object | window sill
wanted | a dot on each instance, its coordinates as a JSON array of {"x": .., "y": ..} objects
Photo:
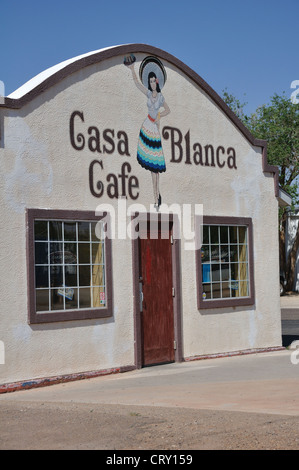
[
  {"x": 70, "y": 315},
  {"x": 223, "y": 303}
]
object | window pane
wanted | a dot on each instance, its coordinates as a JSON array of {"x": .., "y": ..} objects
[
  {"x": 206, "y": 273},
  {"x": 84, "y": 253},
  {"x": 242, "y": 234},
  {"x": 233, "y": 234},
  {"x": 225, "y": 289},
  {"x": 242, "y": 253},
  {"x": 215, "y": 253},
  {"x": 234, "y": 268},
  {"x": 233, "y": 253},
  {"x": 85, "y": 299},
  {"x": 55, "y": 228},
  {"x": 205, "y": 253},
  {"x": 57, "y": 302},
  {"x": 70, "y": 232},
  {"x": 56, "y": 277},
  {"x": 223, "y": 234},
  {"x": 70, "y": 253},
  {"x": 224, "y": 262},
  {"x": 42, "y": 300},
  {"x": 40, "y": 230},
  {"x": 215, "y": 272},
  {"x": 97, "y": 253},
  {"x": 225, "y": 272},
  {"x": 214, "y": 234},
  {"x": 69, "y": 265},
  {"x": 84, "y": 275},
  {"x": 96, "y": 231},
  {"x": 243, "y": 275},
  {"x": 98, "y": 275},
  {"x": 99, "y": 299},
  {"x": 56, "y": 253},
  {"x": 216, "y": 291},
  {"x": 243, "y": 289},
  {"x": 71, "y": 298},
  {"x": 234, "y": 285},
  {"x": 70, "y": 275},
  {"x": 83, "y": 231},
  {"x": 41, "y": 253},
  {"x": 206, "y": 239},
  {"x": 41, "y": 276},
  {"x": 206, "y": 293},
  {"x": 224, "y": 253}
]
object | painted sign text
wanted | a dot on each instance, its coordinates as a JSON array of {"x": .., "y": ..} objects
[{"x": 183, "y": 149}]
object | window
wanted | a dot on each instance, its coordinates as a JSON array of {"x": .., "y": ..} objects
[
  {"x": 69, "y": 266},
  {"x": 225, "y": 263}
]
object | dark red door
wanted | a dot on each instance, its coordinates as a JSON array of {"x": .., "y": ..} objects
[{"x": 157, "y": 304}]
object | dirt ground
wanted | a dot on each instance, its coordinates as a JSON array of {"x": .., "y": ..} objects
[{"x": 77, "y": 426}]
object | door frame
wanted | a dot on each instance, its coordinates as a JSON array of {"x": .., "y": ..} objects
[{"x": 176, "y": 282}]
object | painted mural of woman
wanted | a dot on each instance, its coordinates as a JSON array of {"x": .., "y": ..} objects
[{"x": 149, "y": 150}]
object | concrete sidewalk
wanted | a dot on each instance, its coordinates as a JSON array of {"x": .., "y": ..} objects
[{"x": 262, "y": 383}]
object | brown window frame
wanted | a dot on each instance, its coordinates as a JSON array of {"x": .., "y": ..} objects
[
  {"x": 69, "y": 314},
  {"x": 231, "y": 301}
]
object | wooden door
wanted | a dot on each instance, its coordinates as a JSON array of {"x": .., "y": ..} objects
[{"x": 157, "y": 320}]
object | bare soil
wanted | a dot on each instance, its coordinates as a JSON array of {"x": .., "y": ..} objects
[{"x": 74, "y": 426}]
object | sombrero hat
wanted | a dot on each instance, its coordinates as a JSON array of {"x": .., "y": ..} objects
[{"x": 152, "y": 64}]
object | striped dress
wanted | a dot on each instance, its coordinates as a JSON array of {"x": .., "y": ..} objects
[{"x": 149, "y": 150}]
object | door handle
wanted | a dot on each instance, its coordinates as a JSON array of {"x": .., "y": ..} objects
[{"x": 140, "y": 296}]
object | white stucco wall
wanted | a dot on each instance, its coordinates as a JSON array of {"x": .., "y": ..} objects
[
  {"x": 41, "y": 169},
  {"x": 291, "y": 229}
]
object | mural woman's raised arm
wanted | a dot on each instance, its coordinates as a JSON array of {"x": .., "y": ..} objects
[{"x": 139, "y": 85}]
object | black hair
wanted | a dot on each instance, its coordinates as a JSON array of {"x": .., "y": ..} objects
[{"x": 153, "y": 75}]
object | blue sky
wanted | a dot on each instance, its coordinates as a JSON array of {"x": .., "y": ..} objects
[{"x": 250, "y": 47}]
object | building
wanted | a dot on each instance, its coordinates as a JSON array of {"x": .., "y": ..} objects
[
  {"x": 96, "y": 153},
  {"x": 291, "y": 230}
]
